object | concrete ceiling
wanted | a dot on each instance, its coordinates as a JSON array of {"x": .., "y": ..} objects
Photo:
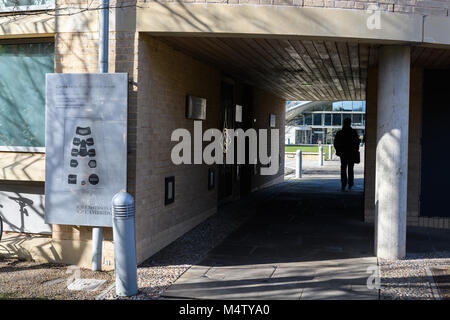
[{"x": 313, "y": 70}]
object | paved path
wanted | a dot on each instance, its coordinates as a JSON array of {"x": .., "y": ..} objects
[
  {"x": 330, "y": 169},
  {"x": 304, "y": 240}
]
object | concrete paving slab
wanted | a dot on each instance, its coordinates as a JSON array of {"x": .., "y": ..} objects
[
  {"x": 236, "y": 289},
  {"x": 225, "y": 274},
  {"x": 338, "y": 289},
  {"x": 337, "y": 292},
  {"x": 86, "y": 284}
]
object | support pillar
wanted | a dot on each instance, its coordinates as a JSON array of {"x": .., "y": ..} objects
[{"x": 392, "y": 152}]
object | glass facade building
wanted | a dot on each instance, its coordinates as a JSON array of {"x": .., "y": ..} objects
[{"x": 320, "y": 123}]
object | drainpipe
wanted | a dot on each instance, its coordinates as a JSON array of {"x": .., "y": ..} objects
[{"x": 103, "y": 37}]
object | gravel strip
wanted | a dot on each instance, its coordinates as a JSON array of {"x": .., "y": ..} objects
[
  {"x": 407, "y": 279},
  {"x": 33, "y": 280}
]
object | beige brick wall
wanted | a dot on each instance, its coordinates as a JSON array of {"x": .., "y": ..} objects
[
  {"x": 422, "y": 7},
  {"x": 159, "y": 79},
  {"x": 414, "y": 153},
  {"x": 77, "y": 52},
  {"x": 265, "y": 103},
  {"x": 166, "y": 76}
]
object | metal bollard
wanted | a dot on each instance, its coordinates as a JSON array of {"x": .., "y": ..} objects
[
  {"x": 97, "y": 241},
  {"x": 330, "y": 152},
  {"x": 320, "y": 155},
  {"x": 124, "y": 244},
  {"x": 298, "y": 167}
]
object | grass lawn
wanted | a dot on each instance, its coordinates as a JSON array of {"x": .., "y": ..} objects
[{"x": 307, "y": 149}]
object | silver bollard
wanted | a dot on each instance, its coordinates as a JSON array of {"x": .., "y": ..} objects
[
  {"x": 97, "y": 241},
  {"x": 298, "y": 167},
  {"x": 320, "y": 155},
  {"x": 330, "y": 152},
  {"x": 124, "y": 244}
]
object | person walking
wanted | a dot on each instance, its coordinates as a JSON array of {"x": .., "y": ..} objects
[{"x": 346, "y": 144}]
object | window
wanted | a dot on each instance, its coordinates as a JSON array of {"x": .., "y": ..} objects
[
  {"x": 327, "y": 119},
  {"x": 337, "y": 106},
  {"x": 357, "y": 119},
  {"x": 22, "y": 95},
  {"x": 347, "y": 105},
  {"x": 359, "y": 106},
  {"x": 317, "y": 119},
  {"x": 25, "y": 5},
  {"x": 337, "y": 119},
  {"x": 308, "y": 119}
]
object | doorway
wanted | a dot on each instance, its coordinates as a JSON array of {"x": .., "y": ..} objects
[{"x": 433, "y": 190}]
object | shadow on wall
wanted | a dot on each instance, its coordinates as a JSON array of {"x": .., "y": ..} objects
[{"x": 23, "y": 211}]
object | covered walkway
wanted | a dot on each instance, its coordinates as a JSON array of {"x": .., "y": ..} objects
[{"x": 305, "y": 239}]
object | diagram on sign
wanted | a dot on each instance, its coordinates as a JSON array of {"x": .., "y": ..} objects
[{"x": 83, "y": 148}]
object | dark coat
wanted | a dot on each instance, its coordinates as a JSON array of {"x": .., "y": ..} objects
[{"x": 346, "y": 143}]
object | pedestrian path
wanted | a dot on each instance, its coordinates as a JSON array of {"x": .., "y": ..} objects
[{"x": 303, "y": 242}]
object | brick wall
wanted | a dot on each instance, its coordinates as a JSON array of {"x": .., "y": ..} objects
[
  {"x": 77, "y": 52},
  {"x": 166, "y": 76},
  {"x": 422, "y": 7},
  {"x": 159, "y": 79},
  {"x": 265, "y": 103}
]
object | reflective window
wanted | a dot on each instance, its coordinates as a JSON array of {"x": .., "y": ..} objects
[
  {"x": 357, "y": 119},
  {"x": 22, "y": 5},
  {"x": 347, "y": 105},
  {"x": 337, "y": 119},
  {"x": 300, "y": 120},
  {"x": 317, "y": 120},
  {"x": 327, "y": 119},
  {"x": 359, "y": 106},
  {"x": 22, "y": 93},
  {"x": 308, "y": 119},
  {"x": 337, "y": 106}
]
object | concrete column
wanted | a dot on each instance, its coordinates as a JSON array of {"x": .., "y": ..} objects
[{"x": 392, "y": 152}]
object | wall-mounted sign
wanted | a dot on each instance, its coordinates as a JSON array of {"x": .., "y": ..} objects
[
  {"x": 169, "y": 190},
  {"x": 211, "y": 178},
  {"x": 273, "y": 120},
  {"x": 86, "y": 146},
  {"x": 195, "y": 108},
  {"x": 238, "y": 113}
]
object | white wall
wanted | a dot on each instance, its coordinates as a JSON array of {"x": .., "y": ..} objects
[{"x": 289, "y": 135}]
